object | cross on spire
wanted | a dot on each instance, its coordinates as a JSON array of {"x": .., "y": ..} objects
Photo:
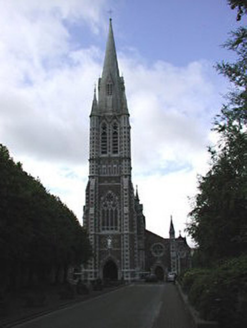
[{"x": 110, "y": 13}]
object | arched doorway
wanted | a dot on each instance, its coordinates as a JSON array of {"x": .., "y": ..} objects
[
  {"x": 110, "y": 271},
  {"x": 159, "y": 272}
]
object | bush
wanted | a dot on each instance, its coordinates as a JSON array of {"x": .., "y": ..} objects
[
  {"x": 220, "y": 294},
  {"x": 189, "y": 277},
  {"x": 198, "y": 288},
  {"x": 226, "y": 297}
]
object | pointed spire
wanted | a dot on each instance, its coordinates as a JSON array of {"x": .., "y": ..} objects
[
  {"x": 95, "y": 103},
  {"x": 94, "y": 93},
  {"x": 172, "y": 230},
  {"x": 110, "y": 67},
  {"x": 111, "y": 96},
  {"x": 137, "y": 195}
]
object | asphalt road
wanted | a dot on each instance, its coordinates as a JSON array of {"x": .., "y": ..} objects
[{"x": 134, "y": 306}]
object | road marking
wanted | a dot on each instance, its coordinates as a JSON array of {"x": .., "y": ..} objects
[{"x": 156, "y": 313}]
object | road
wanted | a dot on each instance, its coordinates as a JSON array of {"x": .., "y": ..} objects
[{"x": 133, "y": 306}]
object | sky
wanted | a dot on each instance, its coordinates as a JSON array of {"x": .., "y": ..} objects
[{"x": 51, "y": 56}]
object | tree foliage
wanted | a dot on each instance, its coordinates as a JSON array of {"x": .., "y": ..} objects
[
  {"x": 240, "y": 5},
  {"x": 234, "y": 114},
  {"x": 218, "y": 219},
  {"x": 38, "y": 232}
]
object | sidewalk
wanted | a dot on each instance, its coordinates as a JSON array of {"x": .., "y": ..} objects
[{"x": 173, "y": 312}]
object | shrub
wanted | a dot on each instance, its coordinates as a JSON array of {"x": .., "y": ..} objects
[
  {"x": 226, "y": 296},
  {"x": 220, "y": 293},
  {"x": 198, "y": 288},
  {"x": 189, "y": 277}
]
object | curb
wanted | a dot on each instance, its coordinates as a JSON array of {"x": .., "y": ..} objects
[{"x": 197, "y": 321}]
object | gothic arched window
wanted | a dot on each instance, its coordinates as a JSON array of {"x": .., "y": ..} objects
[
  {"x": 103, "y": 139},
  {"x": 109, "y": 213},
  {"x": 115, "y": 138}
]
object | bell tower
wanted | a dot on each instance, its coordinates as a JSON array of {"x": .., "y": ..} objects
[{"x": 110, "y": 215}]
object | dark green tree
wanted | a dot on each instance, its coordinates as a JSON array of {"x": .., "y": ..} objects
[
  {"x": 218, "y": 219},
  {"x": 38, "y": 233}
]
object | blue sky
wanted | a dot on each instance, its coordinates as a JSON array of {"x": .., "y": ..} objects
[
  {"x": 51, "y": 55},
  {"x": 176, "y": 31}
]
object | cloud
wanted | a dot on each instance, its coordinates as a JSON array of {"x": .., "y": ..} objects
[
  {"x": 46, "y": 89},
  {"x": 171, "y": 111}
]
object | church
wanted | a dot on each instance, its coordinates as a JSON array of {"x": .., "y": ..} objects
[{"x": 123, "y": 249}]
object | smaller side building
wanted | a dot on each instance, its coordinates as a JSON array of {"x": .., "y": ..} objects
[{"x": 165, "y": 255}]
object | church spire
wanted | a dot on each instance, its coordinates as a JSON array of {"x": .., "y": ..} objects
[
  {"x": 172, "y": 231},
  {"x": 111, "y": 96},
  {"x": 110, "y": 67}
]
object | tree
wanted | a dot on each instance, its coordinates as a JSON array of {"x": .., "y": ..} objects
[
  {"x": 37, "y": 231},
  {"x": 218, "y": 219},
  {"x": 241, "y": 5}
]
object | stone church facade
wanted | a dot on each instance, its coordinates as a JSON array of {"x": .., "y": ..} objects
[{"x": 113, "y": 215}]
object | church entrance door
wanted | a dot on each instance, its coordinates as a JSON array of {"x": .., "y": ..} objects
[
  {"x": 110, "y": 271},
  {"x": 159, "y": 272}
]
